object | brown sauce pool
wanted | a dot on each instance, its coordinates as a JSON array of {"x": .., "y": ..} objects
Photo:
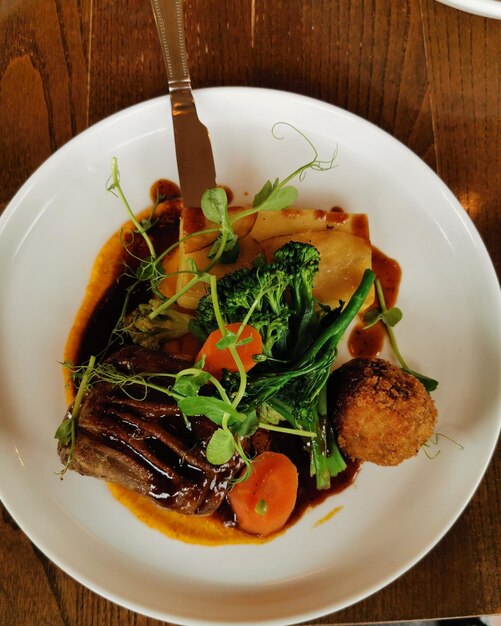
[
  {"x": 369, "y": 343},
  {"x": 97, "y": 317}
]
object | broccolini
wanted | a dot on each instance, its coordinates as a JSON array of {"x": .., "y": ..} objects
[
  {"x": 275, "y": 298},
  {"x": 151, "y": 333}
]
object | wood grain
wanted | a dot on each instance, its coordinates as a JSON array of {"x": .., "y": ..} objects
[
  {"x": 424, "y": 72},
  {"x": 466, "y": 87},
  {"x": 43, "y": 85}
]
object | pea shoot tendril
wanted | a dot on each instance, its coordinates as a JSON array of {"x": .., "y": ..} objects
[{"x": 232, "y": 404}]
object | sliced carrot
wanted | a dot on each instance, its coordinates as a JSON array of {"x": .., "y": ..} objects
[
  {"x": 216, "y": 360},
  {"x": 263, "y": 502}
]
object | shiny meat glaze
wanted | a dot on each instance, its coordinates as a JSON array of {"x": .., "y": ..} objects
[{"x": 146, "y": 444}]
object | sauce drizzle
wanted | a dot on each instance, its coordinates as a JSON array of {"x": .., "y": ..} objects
[
  {"x": 98, "y": 314},
  {"x": 369, "y": 343}
]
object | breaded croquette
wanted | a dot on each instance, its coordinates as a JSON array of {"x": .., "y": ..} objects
[{"x": 381, "y": 413}]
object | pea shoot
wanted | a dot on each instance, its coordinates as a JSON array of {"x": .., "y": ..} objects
[
  {"x": 233, "y": 408},
  {"x": 391, "y": 317}
]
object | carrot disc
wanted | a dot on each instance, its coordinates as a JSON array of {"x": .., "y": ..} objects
[
  {"x": 263, "y": 502},
  {"x": 216, "y": 360}
]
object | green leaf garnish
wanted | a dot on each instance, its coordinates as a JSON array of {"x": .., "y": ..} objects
[
  {"x": 231, "y": 251},
  {"x": 428, "y": 383},
  {"x": 247, "y": 425},
  {"x": 229, "y": 339},
  {"x": 214, "y": 205},
  {"x": 274, "y": 197},
  {"x": 243, "y": 342},
  {"x": 390, "y": 317},
  {"x": 215, "y": 208},
  {"x": 213, "y": 408},
  {"x": 147, "y": 269},
  {"x": 64, "y": 432},
  {"x": 237, "y": 419},
  {"x": 190, "y": 385},
  {"x": 221, "y": 447},
  {"x": 263, "y": 193}
]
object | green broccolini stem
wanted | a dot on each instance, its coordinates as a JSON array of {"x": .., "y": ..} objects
[
  {"x": 335, "y": 332},
  {"x": 319, "y": 457},
  {"x": 332, "y": 335},
  {"x": 318, "y": 460},
  {"x": 322, "y": 400},
  {"x": 246, "y": 319},
  {"x": 335, "y": 461},
  {"x": 284, "y": 409},
  {"x": 287, "y": 431},
  {"x": 324, "y": 464}
]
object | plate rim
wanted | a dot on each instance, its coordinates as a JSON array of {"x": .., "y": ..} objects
[
  {"x": 452, "y": 202},
  {"x": 482, "y": 8}
]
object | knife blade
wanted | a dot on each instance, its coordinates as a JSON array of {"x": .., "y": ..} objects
[{"x": 195, "y": 162}]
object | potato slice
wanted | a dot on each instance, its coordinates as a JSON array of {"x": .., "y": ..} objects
[
  {"x": 249, "y": 250},
  {"x": 343, "y": 259},
  {"x": 288, "y": 221},
  {"x": 170, "y": 265},
  {"x": 193, "y": 220}
]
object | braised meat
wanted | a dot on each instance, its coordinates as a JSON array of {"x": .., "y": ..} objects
[{"x": 145, "y": 444}]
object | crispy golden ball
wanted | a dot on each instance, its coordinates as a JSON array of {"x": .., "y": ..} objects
[{"x": 382, "y": 414}]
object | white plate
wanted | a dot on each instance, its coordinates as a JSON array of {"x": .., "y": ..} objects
[
  {"x": 485, "y": 8},
  {"x": 390, "y": 518}
]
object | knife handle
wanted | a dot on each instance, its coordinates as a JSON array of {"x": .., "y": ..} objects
[{"x": 170, "y": 25}]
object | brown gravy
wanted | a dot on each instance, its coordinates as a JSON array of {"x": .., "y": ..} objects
[
  {"x": 98, "y": 314},
  {"x": 369, "y": 343}
]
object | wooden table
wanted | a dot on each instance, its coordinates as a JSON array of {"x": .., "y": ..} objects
[{"x": 426, "y": 73}]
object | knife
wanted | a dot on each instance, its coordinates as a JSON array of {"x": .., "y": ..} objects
[{"x": 195, "y": 162}]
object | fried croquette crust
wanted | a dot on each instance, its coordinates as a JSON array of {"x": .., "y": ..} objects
[{"x": 381, "y": 413}]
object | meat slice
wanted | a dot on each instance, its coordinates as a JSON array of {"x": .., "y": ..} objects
[{"x": 145, "y": 443}]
